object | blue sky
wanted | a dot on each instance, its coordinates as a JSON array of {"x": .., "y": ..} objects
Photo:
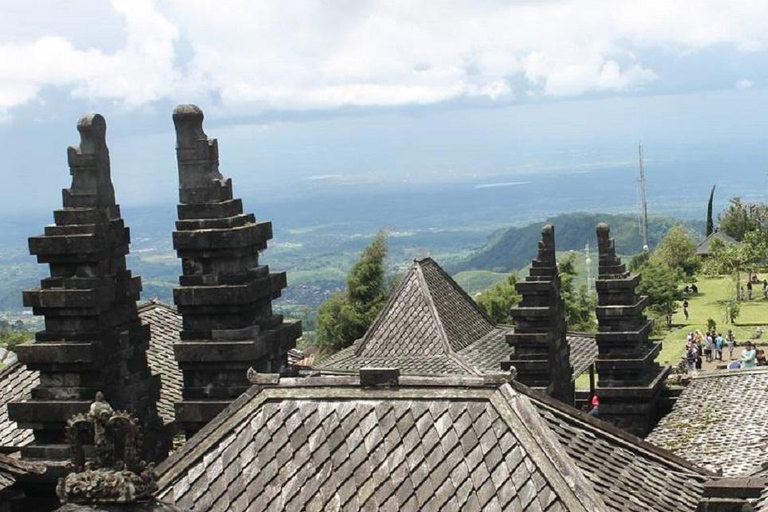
[{"x": 316, "y": 96}]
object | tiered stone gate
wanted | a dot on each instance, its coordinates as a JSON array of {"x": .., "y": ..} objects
[
  {"x": 542, "y": 354},
  {"x": 225, "y": 296},
  {"x": 629, "y": 380},
  {"x": 93, "y": 339}
]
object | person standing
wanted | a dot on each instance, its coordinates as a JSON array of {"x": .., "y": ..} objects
[
  {"x": 748, "y": 356},
  {"x": 719, "y": 342},
  {"x": 685, "y": 309},
  {"x": 730, "y": 340},
  {"x": 691, "y": 355},
  {"x": 749, "y": 289}
]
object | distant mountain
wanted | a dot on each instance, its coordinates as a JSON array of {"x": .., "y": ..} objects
[{"x": 513, "y": 248}]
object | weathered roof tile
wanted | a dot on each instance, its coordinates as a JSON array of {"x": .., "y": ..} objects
[{"x": 16, "y": 381}]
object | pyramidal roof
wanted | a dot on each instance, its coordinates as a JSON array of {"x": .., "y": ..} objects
[
  {"x": 428, "y": 314},
  {"x": 430, "y": 326}
]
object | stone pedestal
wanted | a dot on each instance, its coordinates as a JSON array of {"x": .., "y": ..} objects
[
  {"x": 225, "y": 296},
  {"x": 629, "y": 380},
  {"x": 93, "y": 338},
  {"x": 542, "y": 354}
]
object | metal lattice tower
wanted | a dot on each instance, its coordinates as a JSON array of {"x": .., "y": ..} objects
[
  {"x": 643, "y": 202},
  {"x": 588, "y": 262}
]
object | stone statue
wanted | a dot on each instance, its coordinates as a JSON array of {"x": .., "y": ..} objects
[{"x": 116, "y": 474}]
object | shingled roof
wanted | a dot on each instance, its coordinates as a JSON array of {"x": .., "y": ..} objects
[
  {"x": 703, "y": 248},
  {"x": 719, "y": 421},
  {"x": 16, "y": 381},
  {"x": 430, "y": 326},
  {"x": 429, "y": 443},
  {"x": 11, "y": 468}
]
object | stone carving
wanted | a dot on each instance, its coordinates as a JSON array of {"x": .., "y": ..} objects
[
  {"x": 542, "y": 355},
  {"x": 225, "y": 295},
  {"x": 93, "y": 338},
  {"x": 116, "y": 474},
  {"x": 629, "y": 379},
  {"x": 89, "y": 166}
]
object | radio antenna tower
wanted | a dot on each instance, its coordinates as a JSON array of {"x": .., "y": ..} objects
[
  {"x": 643, "y": 201},
  {"x": 588, "y": 262}
]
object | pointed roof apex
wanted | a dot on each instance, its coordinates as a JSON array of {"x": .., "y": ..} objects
[{"x": 427, "y": 314}]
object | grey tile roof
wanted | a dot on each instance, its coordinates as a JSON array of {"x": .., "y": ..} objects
[
  {"x": 310, "y": 445},
  {"x": 762, "y": 503},
  {"x": 430, "y": 326},
  {"x": 720, "y": 422},
  {"x": 703, "y": 248},
  {"x": 165, "y": 324},
  {"x": 16, "y": 381},
  {"x": 11, "y": 468},
  {"x": 627, "y": 472},
  {"x": 324, "y": 443}
]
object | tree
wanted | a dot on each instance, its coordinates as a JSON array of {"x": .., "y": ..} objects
[
  {"x": 732, "y": 260},
  {"x": 11, "y": 339},
  {"x": 710, "y": 222},
  {"x": 366, "y": 288},
  {"x": 678, "y": 250},
  {"x": 500, "y": 299},
  {"x": 345, "y": 316},
  {"x": 741, "y": 218},
  {"x": 578, "y": 305},
  {"x": 660, "y": 282}
]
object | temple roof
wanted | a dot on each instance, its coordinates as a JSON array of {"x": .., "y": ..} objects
[
  {"x": 703, "y": 248},
  {"x": 16, "y": 381},
  {"x": 430, "y": 326},
  {"x": 427, "y": 443},
  {"x": 12, "y": 467},
  {"x": 719, "y": 422}
]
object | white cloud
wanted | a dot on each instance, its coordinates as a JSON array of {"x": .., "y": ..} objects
[
  {"x": 314, "y": 54},
  {"x": 744, "y": 84}
]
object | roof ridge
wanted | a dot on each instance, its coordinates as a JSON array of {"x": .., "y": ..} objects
[
  {"x": 657, "y": 453},
  {"x": 358, "y": 350},
  {"x": 729, "y": 373},
  {"x": 460, "y": 290},
  {"x": 153, "y": 303},
  {"x": 424, "y": 288},
  {"x": 560, "y": 469}
]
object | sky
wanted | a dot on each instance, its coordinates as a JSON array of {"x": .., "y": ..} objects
[{"x": 308, "y": 96}]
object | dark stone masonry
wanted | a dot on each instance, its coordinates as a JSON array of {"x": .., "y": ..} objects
[
  {"x": 93, "y": 339},
  {"x": 629, "y": 379},
  {"x": 542, "y": 354},
  {"x": 225, "y": 296}
]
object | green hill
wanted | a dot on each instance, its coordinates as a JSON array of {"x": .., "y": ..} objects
[{"x": 514, "y": 247}]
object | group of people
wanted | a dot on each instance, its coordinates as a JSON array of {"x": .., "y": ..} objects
[{"x": 709, "y": 347}]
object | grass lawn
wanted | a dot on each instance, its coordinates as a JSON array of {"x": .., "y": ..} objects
[{"x": 708, "y": 304}]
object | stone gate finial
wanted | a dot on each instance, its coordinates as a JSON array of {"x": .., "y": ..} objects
[
  {"x": 89, "y": 166},
  {"x": 188, "y": 120},
  {"x": 609, "y": 265},
  {"x": 198, "y": 158},
  {"x": 547, "y": 246}
]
